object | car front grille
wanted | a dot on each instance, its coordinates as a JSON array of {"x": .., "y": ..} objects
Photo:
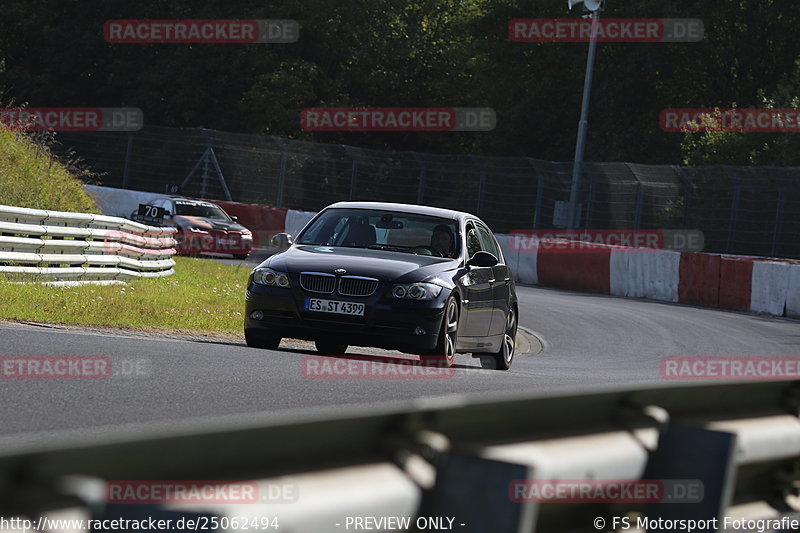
[
  {"x": 357, "y": 286},
  {"x": 317, "y": 282}
]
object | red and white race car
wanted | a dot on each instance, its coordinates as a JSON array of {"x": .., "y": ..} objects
[{"x": 203, "y": 227}]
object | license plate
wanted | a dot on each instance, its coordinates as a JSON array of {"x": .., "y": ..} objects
[{"x": 334, "y": 306}]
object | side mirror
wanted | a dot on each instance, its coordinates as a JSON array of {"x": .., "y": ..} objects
[
  {"x": 281, "y": 241},
  {"x": 483, "y": 259},
  {"x": 234, "y": 218}
]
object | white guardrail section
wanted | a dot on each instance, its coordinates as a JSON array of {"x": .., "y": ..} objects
[
  {"x": 455, "y": 463},
  {"x": 63, "y": 247}
]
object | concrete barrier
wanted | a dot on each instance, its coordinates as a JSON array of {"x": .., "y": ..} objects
[
  {"x": 525, "y": 252},
  {"x": 698, "y": 282},
  {"x": 527, "y": 265},
  {"x": 735, "y": 278},
  {"x": 645, "y": 273},
  {"x": 793, "y": 292},
  {"x": 510, "y": 252},
  {"x": 711, "y": 280},
  {"x": 618, "y": 271},
  {"x": 296, "y": 221},
  {"x": 263, "y": 220},
  {"x": 769, "y": 287},
  {"x": 574, "y": 265},
  {"x": 119, "y": 202}
]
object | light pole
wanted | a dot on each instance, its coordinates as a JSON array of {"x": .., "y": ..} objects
[{"x": 593, "y": 6}]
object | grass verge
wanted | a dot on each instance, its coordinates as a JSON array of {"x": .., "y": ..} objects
[
  {"x": 33, "y": 177},
  {"x": 202, "y": 297}
]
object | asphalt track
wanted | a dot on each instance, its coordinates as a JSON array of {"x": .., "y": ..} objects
[{"x": 590, "y": 342}]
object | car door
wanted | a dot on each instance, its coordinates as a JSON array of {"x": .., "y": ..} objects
[
  {"x": 500, "y": 283},
  {"x": 477, "y": 286}
]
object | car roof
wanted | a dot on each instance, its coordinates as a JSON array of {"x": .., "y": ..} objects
[
  {"x": 405, "y": 208},
  {"x": 184, "y": 199}
]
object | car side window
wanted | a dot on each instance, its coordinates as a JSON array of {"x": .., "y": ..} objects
[
  {"x": 473, "y": 241},
  {"x": 162, "y": 202},
  {"x": 487, "y": 242}
]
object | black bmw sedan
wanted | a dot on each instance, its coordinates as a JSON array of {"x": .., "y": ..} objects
[{"x": 422, "y": 280}]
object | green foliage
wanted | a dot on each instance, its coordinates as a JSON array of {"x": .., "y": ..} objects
[
  {"x": 751, "y": 148},
  {"x": 30, "y": 176},
  {"x": 406, "y": 53}
]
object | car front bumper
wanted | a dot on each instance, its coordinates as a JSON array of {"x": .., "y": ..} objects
[
  {"x": 387, "y": 322},
  {"x": 213, "y": 242}
]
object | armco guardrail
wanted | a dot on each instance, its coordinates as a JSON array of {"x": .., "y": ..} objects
[
  {"x": 718, "y": 452},
  {"x": 57, "y": 246}
]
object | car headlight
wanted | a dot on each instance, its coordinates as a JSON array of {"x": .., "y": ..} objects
[
  {"x": 416, "y": 291},
  {"x": 271, "y": 278}
]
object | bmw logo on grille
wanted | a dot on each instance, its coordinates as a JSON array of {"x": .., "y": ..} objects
[{"x": 340, "y": 271}]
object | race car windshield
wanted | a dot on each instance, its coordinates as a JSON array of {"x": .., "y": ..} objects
[
  {"x": 200, "y": 210},
  {"x": 384, "y": 230}
]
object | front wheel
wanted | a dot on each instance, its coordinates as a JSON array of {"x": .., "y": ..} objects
[
  {"x": 257, "y": 339},
  {"x": 505, "y": 356},
  {"x": 444, "y": 353}
]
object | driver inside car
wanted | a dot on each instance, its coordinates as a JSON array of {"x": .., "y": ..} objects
[{"x": 442, "y": 241}]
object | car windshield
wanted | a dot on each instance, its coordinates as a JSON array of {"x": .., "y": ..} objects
[
  {"x": 384, "y": 230},
  {"x": 192, "y": 209}
]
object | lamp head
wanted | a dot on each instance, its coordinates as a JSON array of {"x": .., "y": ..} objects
[{"x": 589, "y": 5}]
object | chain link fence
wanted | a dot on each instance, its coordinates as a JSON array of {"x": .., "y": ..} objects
[{"x": 742, "y": 210}]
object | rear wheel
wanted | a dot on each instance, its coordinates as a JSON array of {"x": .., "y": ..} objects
[
  {"x": 444, "y": 353},
  {"x": 258, "y": 339},
  {"x": 325, "y": 347},
  {"x": 505, "y": 356}
]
